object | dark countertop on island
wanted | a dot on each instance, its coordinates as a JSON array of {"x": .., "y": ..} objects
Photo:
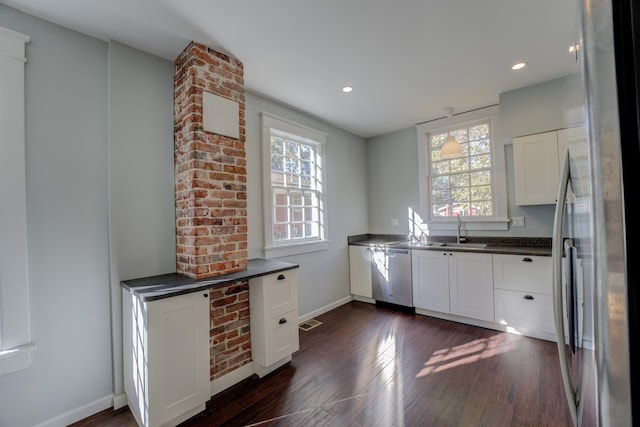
[
  {"x": 173, "y": 284},
  {"x": 527, "y": 246}
]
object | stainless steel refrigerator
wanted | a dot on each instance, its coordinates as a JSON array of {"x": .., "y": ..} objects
[{"x": 596, "y": 242}]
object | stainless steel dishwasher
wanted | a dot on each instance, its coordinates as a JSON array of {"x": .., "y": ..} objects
[{"x": 391, "y": 275}]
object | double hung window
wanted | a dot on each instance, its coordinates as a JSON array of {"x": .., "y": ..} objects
[
  {"x": 294, "y": 175},
  {"x": 471, "y": 186}
]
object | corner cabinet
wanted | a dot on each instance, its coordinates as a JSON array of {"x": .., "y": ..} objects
[
  {"x": 273, "y": 301},
  {"x": 360, "y": 272},
  {"x": 166, "y": 357},
  {"x": 459, "y": 283}
]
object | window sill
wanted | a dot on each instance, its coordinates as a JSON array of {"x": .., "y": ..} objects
[
  {"x": 15, "y": 359},
  {"x": 295, "y": 249}
]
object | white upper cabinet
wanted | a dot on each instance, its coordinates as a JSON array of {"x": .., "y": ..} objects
[
  {"x": 537, "y": 168},
  {"x": 538, "y": 161}
]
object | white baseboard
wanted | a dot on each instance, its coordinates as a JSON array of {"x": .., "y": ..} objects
[
  {"x": 325, "y": 309},
  {"x": 79, "y": 413},
  {"x": 119, "y": 401},
  {"x": 364, "y": 299},
  {"x": 232, "y": 378}
]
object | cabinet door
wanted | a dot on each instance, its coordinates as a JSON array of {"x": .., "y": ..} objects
[
  {"x": 471, "y": 285},
  {"x": 178, "y": 355},
  {"x": 360, "y": 271},
  {"x": 536, "y": 168},
  {"x": 430, "y": 278}
]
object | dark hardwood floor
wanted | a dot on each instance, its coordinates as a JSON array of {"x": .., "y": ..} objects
[{"x": 375, "y": 366}]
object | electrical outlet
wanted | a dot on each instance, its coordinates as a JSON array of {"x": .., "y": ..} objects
[
  {"x": 394, "y": 222},
  {"x": 517, "y": 221}
]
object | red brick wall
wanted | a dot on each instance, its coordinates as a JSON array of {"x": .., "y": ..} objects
[
  {"x": 210, "y": 169},
  {"x": 230, "y": 339}
]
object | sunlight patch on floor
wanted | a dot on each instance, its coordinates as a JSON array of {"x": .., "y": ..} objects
[{"x": 470, "y": 352}]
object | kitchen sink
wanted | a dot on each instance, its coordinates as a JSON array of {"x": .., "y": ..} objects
[
  {"x": 451, "y": 245},
  {"x": 464, "y": 245}
]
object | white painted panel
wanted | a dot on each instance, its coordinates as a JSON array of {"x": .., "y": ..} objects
[{"x": 220, "y": 115}]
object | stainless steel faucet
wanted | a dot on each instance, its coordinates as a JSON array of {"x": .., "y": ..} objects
[{"x": 459, "y": 239}]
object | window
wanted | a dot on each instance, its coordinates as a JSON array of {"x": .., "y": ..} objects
[
  {"x": 295, "y": 199},
  {"x": 472, "y": 186},
  {"x": 15, "y": 340},
  {"x": 462, "y": 186}
]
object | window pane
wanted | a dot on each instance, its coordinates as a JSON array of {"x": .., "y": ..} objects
[
  {"x": 296, "y": 214},
  {"x": 460, "y": 194},
  {"x": 479, "y": 131},
  {"x": 481, "y": 193},
  {"x": 442, "y": 167},
  {"x": 293, "y": 180},
  {"x": 459, "y": 180},
  {"x": 277, "y": 163},
  {"x": 280, "y": 231},
  {"x": 276, "y": 146},
  {"x": 480, "y": 147},
  {"x": 281, "y": 214},
  {"x": 483, "y": 161},
  {"x": 291, "y": 149},
  {"x": 305, "y": 152},
  {"x": 277, "y": 178},
  {"x": 480, "y": 178}
]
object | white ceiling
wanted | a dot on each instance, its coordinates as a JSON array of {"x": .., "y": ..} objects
[{"x": 407, "y": 60}]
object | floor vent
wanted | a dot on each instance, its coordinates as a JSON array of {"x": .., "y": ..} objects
[{"x": 309, "y": 324}]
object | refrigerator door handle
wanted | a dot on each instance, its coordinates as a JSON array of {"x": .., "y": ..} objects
[{"x": 556, "y": 254}]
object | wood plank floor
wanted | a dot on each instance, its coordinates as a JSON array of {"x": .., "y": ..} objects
[{"x": 367, "y": 365}]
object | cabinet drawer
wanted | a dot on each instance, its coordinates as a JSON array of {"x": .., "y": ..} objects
[
  {"x": 516, "y": 310},
  {"x": 274, "y": 295},
  {"x": 522, "y": 273},
  {"x": 280, "y": 338}
]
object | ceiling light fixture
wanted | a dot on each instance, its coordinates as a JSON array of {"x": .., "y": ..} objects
[
  {"x": 451, "y": 149},
  {"x": 518, "y": 66},
  {"x": 347, "y": 89}
]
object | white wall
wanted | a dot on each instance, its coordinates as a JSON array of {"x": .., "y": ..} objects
[
  {"x": 323, "y": 277},
  {"x": 393, "y": 160},
  {"x": 67, "y": 225},
  {"x": 141, "y": 189},
  {"x": 392, "y": 180}
]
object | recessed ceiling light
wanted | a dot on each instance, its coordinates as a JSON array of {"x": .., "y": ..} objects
[
  {"x": 518, "y": 65},
  {"x": 347, "y": 89}
]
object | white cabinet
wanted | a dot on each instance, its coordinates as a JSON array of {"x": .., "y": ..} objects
[
  {"x": 523, "y": 294},
  {"x": 471, "y": 285},
  {"x": 430, "y": 279},
  {"x": 166, "y": 357},
  {"x": 537, "y": 163},
  {"x": 360, "y": 271},
  {"x": 459, "y": 283},
  {"x": 273, "y": 301},
  {"x": 537, "y": 168}
]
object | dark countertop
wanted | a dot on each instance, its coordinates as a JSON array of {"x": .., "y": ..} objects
[
  {"x": 173, "y": 284},
  {"x": 531, "y": 246}
]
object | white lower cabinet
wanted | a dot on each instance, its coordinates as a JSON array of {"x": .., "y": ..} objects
[
  {"x": 471, "y": 285},
  {"x": 523, "y": 294},
  {"x": 166, "y": 357},
  {"x": 273, "y": 303},
  {"x": 459, "y": 283},
  {"x": 360, "y": 271},
  {"x": 430, "y": 279}
]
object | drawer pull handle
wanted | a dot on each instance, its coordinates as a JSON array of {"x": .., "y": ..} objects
[
  {"x": 527, "y": 260},
  {"x": 283, "y": 321},
  {"x": 281, "y": 277},
  {"x": 205, "y": 295},
  {"x": 529, "y": 297}
]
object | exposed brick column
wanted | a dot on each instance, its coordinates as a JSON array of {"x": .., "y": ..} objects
[
  {"x": 210, "y": 169},
  {"x": 230, "y": 338}
]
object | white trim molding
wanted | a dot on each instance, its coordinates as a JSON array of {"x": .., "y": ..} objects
[{"x": 15, "y": 336}]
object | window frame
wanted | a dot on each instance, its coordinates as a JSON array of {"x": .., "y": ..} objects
[
  {"x": 499, "y": 220},
  {"x": 302, "y": 135},
  {"x": 15, "y": 334}
]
